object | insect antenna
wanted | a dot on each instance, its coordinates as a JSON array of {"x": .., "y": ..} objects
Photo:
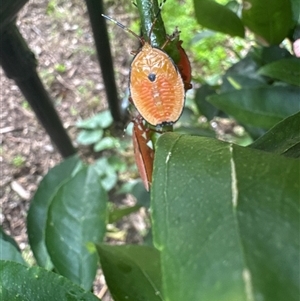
[{"x": 123, "y": 27}]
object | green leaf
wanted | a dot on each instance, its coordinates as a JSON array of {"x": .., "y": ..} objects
[
  {"x": 106, "y": 173},
  {"x": 118, "y": 213},
  {"x": 283, "y": 138},
  {"x": 87, "y": 137},
  {"x": 296, "y": 10},
  {"x": 226, "y": 21},
  {"x": 37, "y": 214},
  {"x": 141, "y": 194},
  {"x": 262, "y": 107},
  {"x": 131, "y": 272},
  {"x": 77, "y": 220},
  {"x": 242, "y": 75},
  {"x": 205, "y": 107},
  {"x": 105, "y": 143},
  {"x": 286, "y": 70},
  {"x": 225, "y": 221},
  {"x": 102, "y": 120},
  {"x": 270, "y": 19},
  {"x": 9, "y": 249},
  {"x": 267, "y": 55},
  {"x": 19, "y": 283}
]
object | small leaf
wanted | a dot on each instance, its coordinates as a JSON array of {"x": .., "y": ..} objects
[
  {"x": 9, "y": 249},
  {"x": 20, "y": 283},
  {"x": 286, "y": 70},
  {"x": 131, "y": 272},
  {"x": 102, "y": 120},
  {"x": 262, "y": 107},
  {"x": 105, "y": 143},
  {"x": 106, "y": 173},
  {"x": 87, "y": 137},
  {"x": 141, "y": 194},
  {"x": 88, "y": 124},
  {"x": 272, "y": 19},
  {"x": 77, "y": 220},
  {"x": 283, "y": 138},
  {"x": 218, "y": 17},
  {"x": 242, "y": 75},
  {"x": 205, "y": 107},
  {"x": 37, "y": 215}
]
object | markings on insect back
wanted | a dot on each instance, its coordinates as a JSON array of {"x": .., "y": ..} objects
[{"x": 234, "y": 188}]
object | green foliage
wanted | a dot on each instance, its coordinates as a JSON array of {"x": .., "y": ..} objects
[
  {"x": 271, "y": 20},
  {"x": 224, "y": 221},
  {"x": 9, "y": 249},
  {"x": 207, "y": 47},
  {"x": 134, "y": 262},
  {"x": 95, "y": 131},
  {"x": 19, "y": 283},
  {"x": 18, "y": 161},
  {"x": 61, "y": 68},
  {"x": 286, "y": 70},
  {"x": 225, "y": 218}
]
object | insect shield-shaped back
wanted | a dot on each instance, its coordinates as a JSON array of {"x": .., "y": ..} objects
[{"x": 156, "y": 87}]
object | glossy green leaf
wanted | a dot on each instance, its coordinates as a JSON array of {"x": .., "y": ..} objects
[
  {"x": 286, "y": 70},
  {"x": 19, "y": 283},
  {"x": 270, "y": 19},
  {"x": 283, "y": 138},
  {"x": 226, "y": 221},
  {"x": 87, "y": 137},
  {"x": 37, "y": 215},
  {"x": 131, "y": 272},
  {"x": 9, "y": 249},
  {"x": 77, "y": 220},
  {"x": 218, "y": 17},
  {"x": 262, "y": 107}
]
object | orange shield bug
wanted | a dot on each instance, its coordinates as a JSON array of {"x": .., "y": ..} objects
[
  {"x": 156, "y": 86},
  {"x": 144, "y": 154}
]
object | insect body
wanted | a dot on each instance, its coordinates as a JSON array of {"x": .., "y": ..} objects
[
  {"x": 156, "y": 87},
  {"x": 144, "y": 154},
  {"x": 184, "y": 67}
]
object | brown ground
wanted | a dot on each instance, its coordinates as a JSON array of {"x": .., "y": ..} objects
[{"x": 61, "y": 37}]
